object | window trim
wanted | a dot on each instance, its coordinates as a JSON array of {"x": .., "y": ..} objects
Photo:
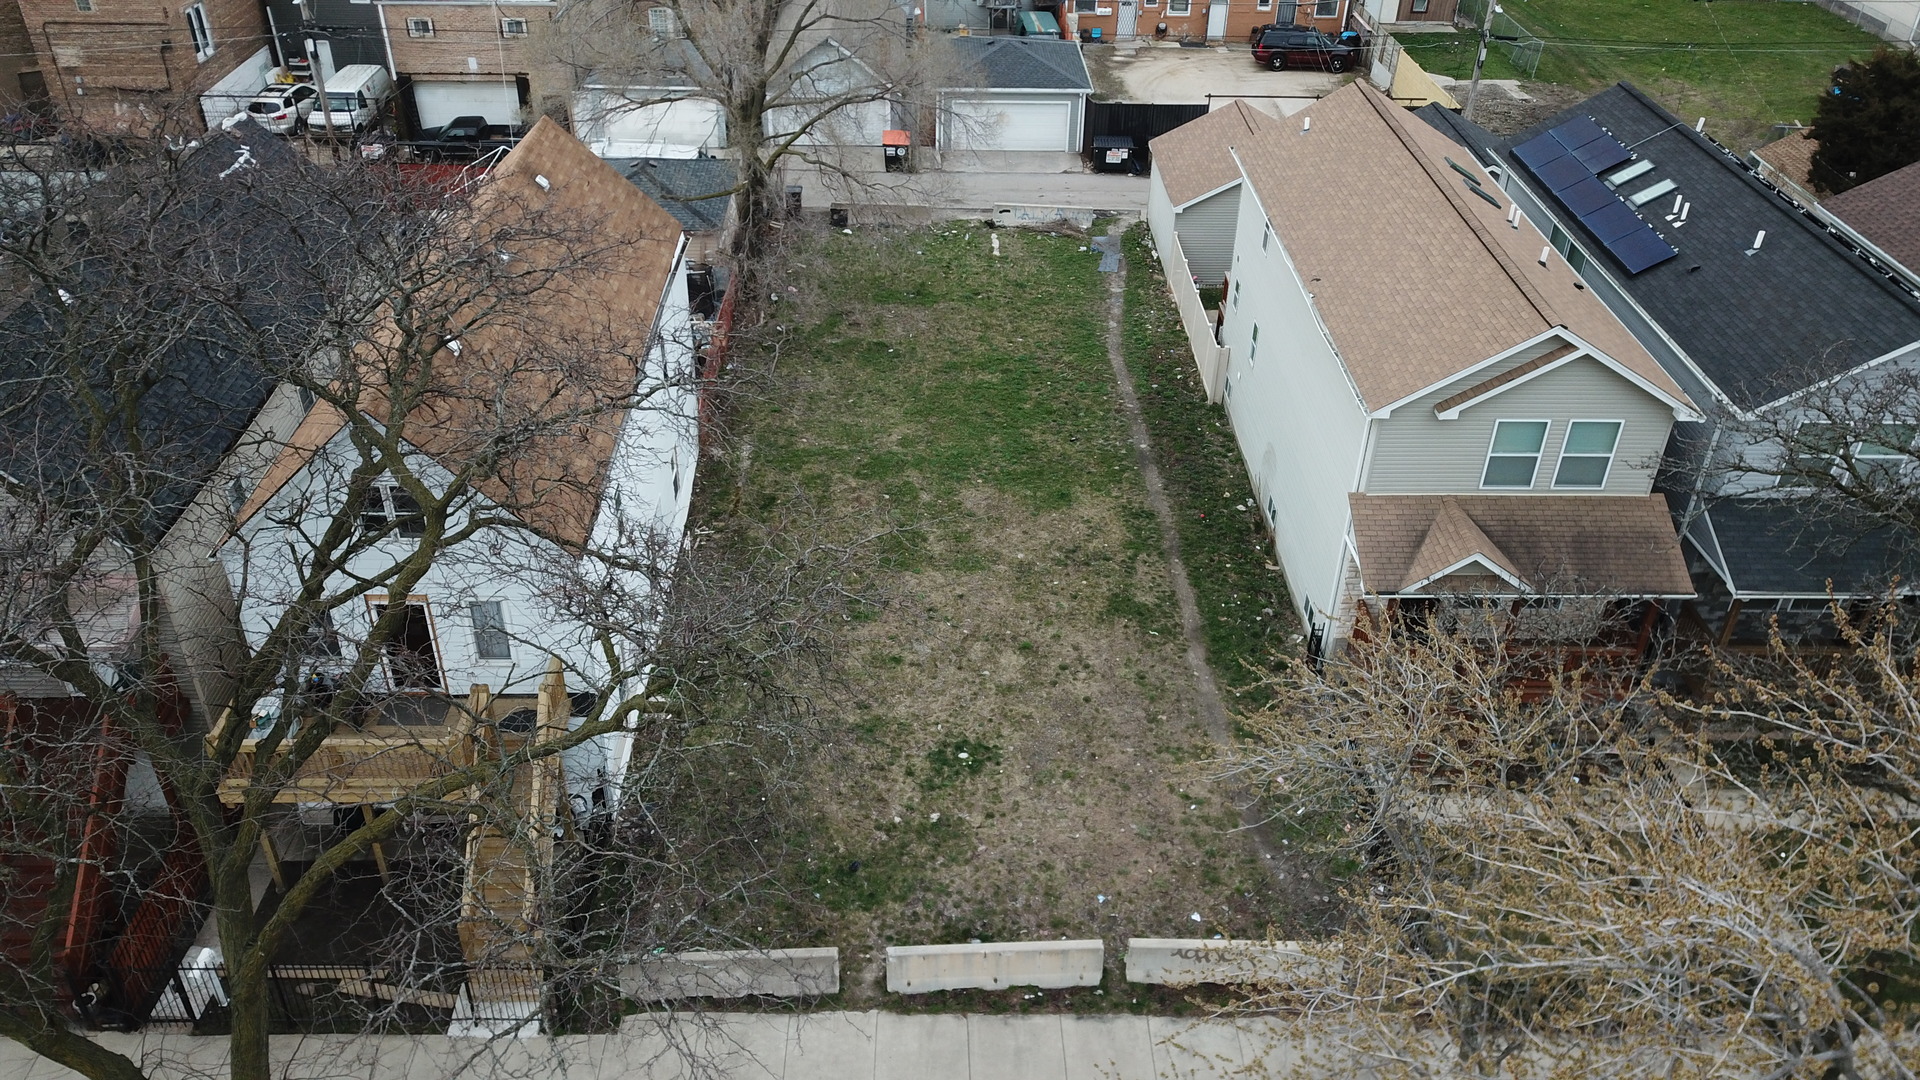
[
  {"x": 200, "y": 30},
  {"x": 419, "y": 27},
  {"x": 1253, "y": 345},
  {"x": 1263, "y": 5},
  {"x": 506, "y": 30},
  {"x": 1606, "y": 474},
  {"x": 377, "y": 601},
  {"x": 83, "y": 6},
  {"x": 1533, "y": 477},
  {"x": 1326, "y": 9},
  {"x": 1179, "y": 7},
  {"x": 404, "y": 526}
]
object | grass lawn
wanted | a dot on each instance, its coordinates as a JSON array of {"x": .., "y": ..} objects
[
  {"x": 1012, "y": 751},
  {"x": 1743, "y": 64}
]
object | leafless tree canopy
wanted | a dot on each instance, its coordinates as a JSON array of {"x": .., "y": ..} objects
[
  {"x": 1583, "y": 887},
  {"x": 166, "y": 307}
]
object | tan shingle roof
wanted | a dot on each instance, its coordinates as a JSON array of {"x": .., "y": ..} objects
[
  {"x": 1452, "y": 539},
  {"x": 1792, "y": 155},
  {"x": 1556, "y": 544},
  {"x": 550, "y": 370},
  {"x": 1416, "y": 278},
  {"x": 1196, "y": 157},
  {"x": 1885, "y": 210}
]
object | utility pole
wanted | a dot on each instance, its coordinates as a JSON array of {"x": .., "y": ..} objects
[
  {"x": 326, "y": 107},
  {"x": 1480, "y": 61}
]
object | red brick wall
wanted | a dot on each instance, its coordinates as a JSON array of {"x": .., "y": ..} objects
[
  {"x": 1242, "y": 17},
  {"x": 130, "y": 63}
]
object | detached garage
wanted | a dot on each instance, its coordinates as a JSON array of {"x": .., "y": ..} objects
[
  {"x": 1023, "y": 94},
  {"x": 438, "y": 102}
]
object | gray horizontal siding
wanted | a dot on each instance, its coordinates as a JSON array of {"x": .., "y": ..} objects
[
  {"x": 1206, "y": 234},
  {"x": 1416, "y": 453}
]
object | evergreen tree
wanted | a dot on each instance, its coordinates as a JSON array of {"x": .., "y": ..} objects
[{"x": 1868, "y": 124}]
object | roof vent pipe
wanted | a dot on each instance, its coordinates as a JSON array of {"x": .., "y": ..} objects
[
  {"x": 1758, "y": 239},
  {"x": 1700, "y": 125},
  {"x": 1306, "y": 124},
  {"x": 1545, "y": 254}
]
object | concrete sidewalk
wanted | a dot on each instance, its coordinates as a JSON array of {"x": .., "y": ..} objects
[{"x": 748, "y": 1046}]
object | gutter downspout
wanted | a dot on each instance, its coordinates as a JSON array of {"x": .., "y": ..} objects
[{"x": 386, "y": 39}]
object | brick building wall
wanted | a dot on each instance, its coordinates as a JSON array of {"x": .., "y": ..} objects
[
  {"x": 16, "y": 56},
  {"x": 1186, "y": 20},
  {"x": 467, "y": 43},
  {"x": 132, "y": 64}
]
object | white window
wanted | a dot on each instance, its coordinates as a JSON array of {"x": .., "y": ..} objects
[
  {"x": 1266, "y": 234},
  {"x": 1263, "y": 5},
  {"x": 661, "y": 21},
  {"x": 307, "y": 398},
  {"x": 1179, "y": 7},
  {"x": 1515, "y": 454},
  {"x": 1085, "y": 7},
  {"x": 413, "y": 658},
  {"x": 389, "y": 504},
  {"x": 1326, "y": 9},
  {"x": 490, "y": 641},
  {"x": 202, "y": 34},
  {"x": 1588, "y": 454},
  {"x": 83, "y": 5},
  {"x": 236, "y": 494},
  {"x": 513, "y": 28},
  {"x": 419, "y": 27},
  {"x": 1236, "y": 293},
  {"x": 1253, "y": 345}
]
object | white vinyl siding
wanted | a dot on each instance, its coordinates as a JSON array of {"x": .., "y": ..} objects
[
  {"x": 1206, "y": 235},
  {"x": 616, "y": 127},
  {"x": 1416, "y": 453}
]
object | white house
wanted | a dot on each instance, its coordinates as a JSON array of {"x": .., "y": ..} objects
[
  {"x": 1429, "y": 402},
  {"x": 829, "y": 97},
  {"x": 486, "y": 612}
]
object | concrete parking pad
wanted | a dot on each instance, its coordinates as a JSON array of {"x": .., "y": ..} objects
[
  {"x": 831, "y": 1046},
  {"x": 1164, "y": 75}
]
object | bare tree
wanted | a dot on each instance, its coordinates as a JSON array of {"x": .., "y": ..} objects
[
  {"x": 1579, "y": 886},
  {"x": 244, "y": 401},
  {"x": 792, "y": 80}
]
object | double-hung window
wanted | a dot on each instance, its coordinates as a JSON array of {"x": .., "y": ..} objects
[
  {"x": 201, "y": 32},
  {"x": 1887, "y": 451},
  {"x": 1814, "y": 454},
  {"x": 1514, "y": 456},
  {"x": 1326, "y": 9},
  {"x": 490, "y": 641},
  {"x": 1179, "y": 7},
  {"x": 1253, "y": 345},
  {"x": 1587, "y": 455}
]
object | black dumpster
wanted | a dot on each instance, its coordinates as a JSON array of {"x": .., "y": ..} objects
[{"x": 1115, "y": 153}]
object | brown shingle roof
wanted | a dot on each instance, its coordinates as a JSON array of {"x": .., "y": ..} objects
[
  {"x": 1556, "y": 544},
  {"x": 539, "y": 382},
  {"x": 1197, "y": 157},
  {"x": 1453, "y": 538},
  {"x": 1792, "y": 155},
  {"x": 1885, "y": 210},
  {"x": 1416, "y": 277}
]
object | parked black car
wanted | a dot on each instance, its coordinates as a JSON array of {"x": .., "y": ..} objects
[
  {"x": 1282, "y": 47},
  {"x": 465, "y": 138}
]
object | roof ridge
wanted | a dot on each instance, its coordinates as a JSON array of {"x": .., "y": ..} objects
[{"x": 1458, "y": 202}]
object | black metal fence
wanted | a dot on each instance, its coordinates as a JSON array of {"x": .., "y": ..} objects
[
  {"x": 320, "y": 999},
  {"x": 1142, "y": 122}
]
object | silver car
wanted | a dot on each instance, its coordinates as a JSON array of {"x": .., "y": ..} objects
[{"x": 280, "y": 108}]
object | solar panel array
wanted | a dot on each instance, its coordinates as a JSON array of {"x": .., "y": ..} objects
[{"x": 1568, "y": 160}]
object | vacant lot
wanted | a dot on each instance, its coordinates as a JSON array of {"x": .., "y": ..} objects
[
  {"x": 1743, "y": 64},
  {"x": 1014, "y": 750}
]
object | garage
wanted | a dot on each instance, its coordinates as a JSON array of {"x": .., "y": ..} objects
[
  {"x": 438, "y": 103},
  {"x": 1017, "y": 95},
  {"x": 987, "y": 124}
]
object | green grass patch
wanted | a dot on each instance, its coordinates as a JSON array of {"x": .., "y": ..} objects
[
  {"x": 1249, "y": 618},
  {"x": 957, "y": 760},
  {"x": 1744, "y": 64}
]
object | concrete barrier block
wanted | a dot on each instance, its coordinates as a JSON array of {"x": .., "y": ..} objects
[
  {"x": 1014, "y": 215},
  {"x": 1189, "y": 961},
  {"x": 770, "y": 973},
  {"x": 920, "y": 969}
]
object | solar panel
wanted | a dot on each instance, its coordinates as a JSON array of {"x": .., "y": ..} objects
[
  {"x": 1578, "y": 132},
  {"x": 1586, "y": 196},
  {"x": 1562, "y": 173},
  {"x": 1539, "y": 150},
  {"x": 1641, "y": 249},
  {"x": 1601, "y": 154},
  {"x": 1611, "y": 221}
]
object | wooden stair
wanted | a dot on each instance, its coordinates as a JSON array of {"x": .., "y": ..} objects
[{"x": 509, "y": 857}]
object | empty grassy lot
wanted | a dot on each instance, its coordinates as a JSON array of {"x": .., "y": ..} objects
[
  {"x": 1013, "y": 750},
  {"x": 1743, "y": 64}
]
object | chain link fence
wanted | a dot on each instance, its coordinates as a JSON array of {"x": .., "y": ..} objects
[{"x": 1522, "y": 48}]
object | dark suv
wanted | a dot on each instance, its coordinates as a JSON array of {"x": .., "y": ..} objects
[{"x": 1282, "y": 47}]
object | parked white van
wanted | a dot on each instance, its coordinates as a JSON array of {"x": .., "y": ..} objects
[{"x": 356, "y": 95}]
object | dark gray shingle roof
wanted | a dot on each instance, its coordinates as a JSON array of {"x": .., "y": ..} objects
[
  {"x": 1801, "y": 309},
  {"x": 686, "y": 187},
  {"x": 1021, "y": 63},
  {"x": 1774, "y": 548}
]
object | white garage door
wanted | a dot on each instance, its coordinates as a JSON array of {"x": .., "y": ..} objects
[
  {"x": 1006, "y": 124},
  {"x": 440, "y": 102}
]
